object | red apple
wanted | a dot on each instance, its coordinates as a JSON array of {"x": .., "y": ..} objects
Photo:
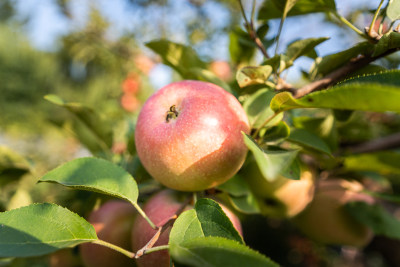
[
  {"x": 129, "y": 102},
  {"x": 325, "y": 219},
  {"x": 221, "y": 69},
  {"x": 159, "y": 209},
  {"x": 131, "y": 84},
  {"x": 113, "y": 223},
  {"x": 188, "y": 135}
]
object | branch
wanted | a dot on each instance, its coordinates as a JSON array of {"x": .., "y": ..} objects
[
  {"x": 251, "y": 31},
  {"x": 340, "y": 73},
  {"x": 387, "y": 142}
]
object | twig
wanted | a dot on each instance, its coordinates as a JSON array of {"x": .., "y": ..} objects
[
  {"x": 387, "y": 142},
  {"x": 371, "y": 27},
  {"x": 340, "y": 73},
  {"x": 250, "y": 29},
  {"x": 164, "y": 226}
]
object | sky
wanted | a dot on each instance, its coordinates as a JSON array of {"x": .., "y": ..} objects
[{"x": 46, "y": 25}]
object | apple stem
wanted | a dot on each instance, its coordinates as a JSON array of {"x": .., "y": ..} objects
[
  {"x": 144, "y": 215},
  {"x": 194, "y": 198},
  {"x": 172, "y": 113},
  {"x": 114, "y": 247},
  {"x": 154, "y": 249}
]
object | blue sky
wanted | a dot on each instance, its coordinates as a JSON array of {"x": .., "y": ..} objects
[{"x": 46, "y": 25}]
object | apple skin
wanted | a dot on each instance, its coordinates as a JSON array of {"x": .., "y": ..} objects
[
  {"x": 113, "y": 223},
  {"x": 199, "y": 149},
  {"x": 325, "y": 219},
  {"x": 159, "y": 208},
  {"x": 282, "y": 198}
]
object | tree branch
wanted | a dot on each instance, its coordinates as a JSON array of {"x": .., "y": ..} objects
[
  {"x": 340, "y": 73},
  {"x": 387, "y": 142}
]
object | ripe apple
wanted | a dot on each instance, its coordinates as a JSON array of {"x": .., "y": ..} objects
[
  {"x": 131, "y": 84},
  {"x": 325, "y": 219},
  {"x": 129, "y": 102},
  {"x": 221, "y": 69},
  {"x": 159, "y": 208},
  {"x": 283, "y": 197},
  {"x": 113, "y": 223},
  {"x": 188, "y": 135}
]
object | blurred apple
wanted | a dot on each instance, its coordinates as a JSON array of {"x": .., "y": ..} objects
[
  {"x": 131, "y": 84},
  {"x": 283, "y": 197},
  {"x": 221, "y": 69},
  {"x": 189, "y": 135},
  {"x": 113, "y": 223},
  {"x": 325, "y": 219},
  {"x": 144, "y": 63},
  {"x": 129, "y": 102}
]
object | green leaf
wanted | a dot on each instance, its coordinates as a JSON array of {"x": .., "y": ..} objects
[
  {"x": 206, "y": 219},
  {"x": 276, "y": 132},
  {"x": 389, "y": 77},
  {"x": 375, "y": 217},
  {"x": 236, "y": 186},
  {"x": 393, "y": 10},
  {"x": 271, "y": 163},
  {"x": 216, "y": 252},
  {"x": 325, "y": 128},
  {"x": 97, "y": 175},
  {"x": 240, "y": 195},
  {"x": 12, "y": 165},
  {"x": 329, "y": 63},
  {"x": 309, "y": 140},
  {"x": 40, "y": 229},
  {"x": 208, "y": 76},
  {"x": 247, "y": 204},
  {"x": 354, "y": 96},
  {"x": 272, "y": 9},
  {"x": 258, "y": 110},
  {"x": 388, "y": 41},
  {"x": 251, "y": 75},
  {"x": 179, "y": 57},
  {"x": 383, "y": 162},
  {"x": 303, "y": 47},
  {"x": 91, "y": 129},
  {"x": 241, "y": 48}
]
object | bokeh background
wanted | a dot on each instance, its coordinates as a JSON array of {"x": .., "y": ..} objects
[{"x": 93, "y": 52}]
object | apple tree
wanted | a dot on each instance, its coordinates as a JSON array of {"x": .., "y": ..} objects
[{"x": 233, "y": 170}]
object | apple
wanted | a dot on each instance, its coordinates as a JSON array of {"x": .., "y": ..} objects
[
  {"x": 221, "y": 69},
  {"x": 188, "y": 135},
  {"x": 159, "y": 208},
  {"x": 113, "y": 223},
  {"x": 283, "y": 197},
  {"x": 131, "y": 84},
  {"x": 129, "y": 102},
  {"x": 325, "y": 219}
]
